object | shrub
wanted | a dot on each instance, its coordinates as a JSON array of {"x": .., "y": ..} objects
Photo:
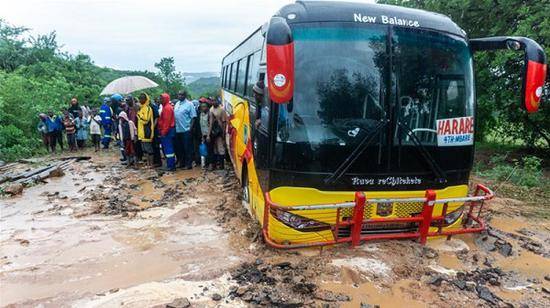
[{"x": 525, "y": 172}]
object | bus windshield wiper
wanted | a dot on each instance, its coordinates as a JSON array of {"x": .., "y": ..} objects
[
  {"x": 432, "y": 164},
  {"x": 363, "y": 144}
]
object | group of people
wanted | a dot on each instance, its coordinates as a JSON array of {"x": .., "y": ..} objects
[
  {"x": 74, "y": 123},
  {"x": 187, "y": 132}
]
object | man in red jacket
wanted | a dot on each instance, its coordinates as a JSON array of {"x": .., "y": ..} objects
[{"x": 166, "y": 126}]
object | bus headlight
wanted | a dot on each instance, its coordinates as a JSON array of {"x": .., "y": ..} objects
[
  {"x": 298, "y": 222},
  {"x": 450, "y": 218}
]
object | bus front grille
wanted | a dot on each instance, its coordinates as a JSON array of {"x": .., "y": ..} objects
[
  {"x": 396, "y": 209},
  {"x": 379, "y": 228},
  {"x": 399, "y": 209}
]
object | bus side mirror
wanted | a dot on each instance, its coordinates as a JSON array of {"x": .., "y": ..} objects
[
  {"x": 534, "y": 73},
  {"x": 280, "y": 61}
]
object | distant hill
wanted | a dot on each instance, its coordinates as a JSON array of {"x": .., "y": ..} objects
[
  {"x": 205, "y": 86},
  {"x": 192, "y": 77}
]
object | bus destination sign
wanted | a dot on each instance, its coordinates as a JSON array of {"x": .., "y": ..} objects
[{"x": 455, "y": 132}]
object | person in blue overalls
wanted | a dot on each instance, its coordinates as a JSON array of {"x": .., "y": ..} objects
[
  {"x": 116, "y": 104},
  {"x": 106, "y": 114},
  {"x": 116, "y": 100}
]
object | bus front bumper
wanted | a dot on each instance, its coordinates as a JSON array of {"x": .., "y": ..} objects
[{"x": 350, "y": 222}]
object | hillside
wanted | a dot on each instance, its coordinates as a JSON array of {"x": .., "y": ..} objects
[
  {"x": 192, "y": 77},
  {"x": 205, "y": 86},
  {"x": 36, "y": 77}
]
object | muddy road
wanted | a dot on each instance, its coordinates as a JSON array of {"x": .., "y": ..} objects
[{"x": 103, "y": 235}]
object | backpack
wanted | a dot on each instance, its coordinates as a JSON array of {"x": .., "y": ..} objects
[{"x": 216, "y": 129}]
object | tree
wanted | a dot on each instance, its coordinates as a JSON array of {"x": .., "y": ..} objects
[
  {"x": 36, "y": 76},
  {"x": 12, "y": 51},
  {"x": 172, "y": 81},
  {"x": 499, "y": 74}
]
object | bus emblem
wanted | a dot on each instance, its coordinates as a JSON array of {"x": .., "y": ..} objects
[
  {"x": 279, "y": 80},
  {"x": 384, "y": 209}
]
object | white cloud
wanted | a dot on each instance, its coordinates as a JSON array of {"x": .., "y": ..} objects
[{"x": 134, "y": 34}]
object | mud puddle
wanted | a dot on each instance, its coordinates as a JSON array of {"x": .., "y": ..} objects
[
  {"x": 57, "y": 247},
  {"x": 372, "y": 294},
  {"x": 107, "y": 236}
]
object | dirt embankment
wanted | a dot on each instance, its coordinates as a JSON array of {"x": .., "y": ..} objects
[{"x": 105, "y": 236}]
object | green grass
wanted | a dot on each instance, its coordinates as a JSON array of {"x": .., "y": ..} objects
[
  {"x": 526, "y": 171},
  {"x": 517, "y": 173}
]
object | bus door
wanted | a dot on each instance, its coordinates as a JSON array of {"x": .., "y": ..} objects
[{"x": 261, "y": 139}]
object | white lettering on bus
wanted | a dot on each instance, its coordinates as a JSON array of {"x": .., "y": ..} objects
[
  {"x": 365, "y": 18},
  {"x": 386, "y": 20},
  {"x": 387, "y": 181},
  {"x": 400, "y": 21}
]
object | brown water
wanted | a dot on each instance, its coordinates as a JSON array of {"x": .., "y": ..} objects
[
  {"x": 48, "y": 255},
  {"x": 54, "y": 253},
  {"x": 509, "y": 224},
  {"x": 393, "y": 296}
]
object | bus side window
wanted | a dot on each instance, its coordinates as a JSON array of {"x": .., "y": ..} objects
[
  {"x": 241, "y": 77},
  {"x": 264, "y": 52},
  {"x": 231, "y": 76},
  {"x": 252, "y": 75},
  {"x": 225, "y": 76}
]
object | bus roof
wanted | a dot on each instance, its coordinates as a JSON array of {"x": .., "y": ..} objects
[{"x": 319, "y": 11}]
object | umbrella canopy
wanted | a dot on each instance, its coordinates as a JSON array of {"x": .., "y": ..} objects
[{"x": 128, "y": 84}]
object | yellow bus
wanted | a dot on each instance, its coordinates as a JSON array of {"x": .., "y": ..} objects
[{"x": 363, "y": 126}]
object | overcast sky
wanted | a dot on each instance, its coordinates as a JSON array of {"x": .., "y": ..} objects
[{"x": 134, "y": 34}]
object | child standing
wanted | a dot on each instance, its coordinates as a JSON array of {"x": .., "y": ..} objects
[
  {"x": 81, "y": 129},
  {"x": 43, "y": 130},
  {"x": 95, "y": 129},
  {"x": 204, "y": 126},
  {"x": 70, "y": 130},
  {"x": 127, "y": 133}
]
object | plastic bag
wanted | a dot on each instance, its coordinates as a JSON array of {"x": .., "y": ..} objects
[{"x": 203, "y": 149}]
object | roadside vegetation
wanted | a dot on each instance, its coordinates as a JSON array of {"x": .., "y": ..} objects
[
  {"x": 37, "y": 76},
  {"x": 517, "y": 173},
  {"x": 204, "y": 86}
]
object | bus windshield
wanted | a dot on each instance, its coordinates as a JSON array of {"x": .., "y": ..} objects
[
  {"x": 347, "y": 83},
  {"x": 434, "y": 80},
  {"x": 339, "y": 71}
]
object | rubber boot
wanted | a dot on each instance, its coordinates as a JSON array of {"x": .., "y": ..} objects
[{"x": 123, "y": 157}]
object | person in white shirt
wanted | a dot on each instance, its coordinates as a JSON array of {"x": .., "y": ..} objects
[{"x": 95, "y": 129}]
